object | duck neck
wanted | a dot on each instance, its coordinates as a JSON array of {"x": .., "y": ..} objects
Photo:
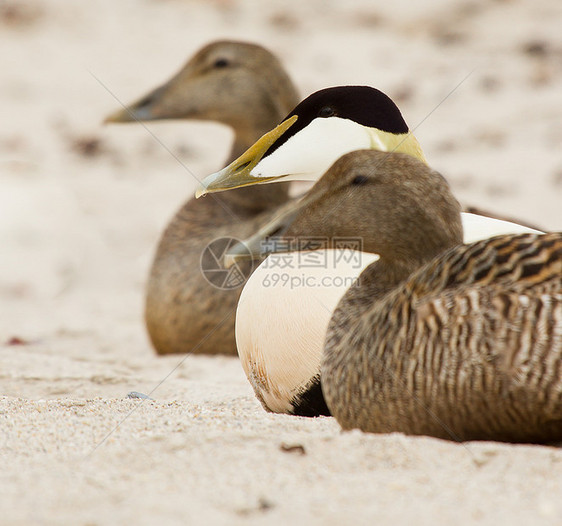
[{"x": 253, "y": 200}]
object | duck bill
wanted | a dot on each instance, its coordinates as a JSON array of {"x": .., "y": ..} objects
[
  {"x": 144, "y": 109},
  {"x": 238, "y": 173},
  {"x": 257, "y": 246}
]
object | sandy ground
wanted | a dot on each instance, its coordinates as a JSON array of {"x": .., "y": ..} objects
[{"x": 81, "y": 208}]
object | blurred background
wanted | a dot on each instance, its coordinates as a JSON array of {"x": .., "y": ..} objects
[{"x": 82, "y": 204}]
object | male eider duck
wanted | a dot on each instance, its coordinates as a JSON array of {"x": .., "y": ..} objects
[
  {"x": 320, "y": 129},
  {"x": 460, "y": 342},
  {"x": 243, "y": 86},
  {"x": 285, "y": 307}
]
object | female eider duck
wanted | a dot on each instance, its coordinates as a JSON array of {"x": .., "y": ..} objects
[
  {"x": 461, "y": 342},
  {"x": 285, "y": 307},
  {"x": 243, "y": 86}
]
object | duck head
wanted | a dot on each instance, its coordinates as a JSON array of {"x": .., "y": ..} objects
[
  {"x": 222, "y": 82},
  {"x": 322, "y": 128}
]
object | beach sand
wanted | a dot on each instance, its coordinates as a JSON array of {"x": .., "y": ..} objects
[{"x": 81, "y": 209}]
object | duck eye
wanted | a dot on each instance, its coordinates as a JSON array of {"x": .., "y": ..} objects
[
  {"x": 360, "y": 180},
  {"x": 220, "y": 63},
  {"x": 327, "y": 111}
]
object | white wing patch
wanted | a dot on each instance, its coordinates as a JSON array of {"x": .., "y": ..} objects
[{"x": 478, "y": 227}]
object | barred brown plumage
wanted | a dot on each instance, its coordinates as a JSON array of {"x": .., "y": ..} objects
[{"x": 460, "y": 342}]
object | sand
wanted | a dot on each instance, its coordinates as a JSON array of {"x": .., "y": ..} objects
[{"x": 81, "y": 209}]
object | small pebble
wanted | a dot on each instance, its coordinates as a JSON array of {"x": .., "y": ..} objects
[
  {"x": 293, "y": 448},
  {"x": 16, "y": 340},
  {"x": 135, "y": 394}
]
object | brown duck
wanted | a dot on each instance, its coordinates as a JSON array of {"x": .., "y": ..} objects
[
  {"x": 245, "y": 87},
  {"x": 462, "y": 342}
]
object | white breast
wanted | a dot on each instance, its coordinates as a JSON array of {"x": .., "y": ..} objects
[{"x": 282, "y": 317}]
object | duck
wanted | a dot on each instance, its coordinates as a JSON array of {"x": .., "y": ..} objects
[
  {"x": 320, "y": 129},
  {"x": 437, "y": 337},
  {"x": 243, "y": 86},
  {"x": 280, "y": 328}
]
